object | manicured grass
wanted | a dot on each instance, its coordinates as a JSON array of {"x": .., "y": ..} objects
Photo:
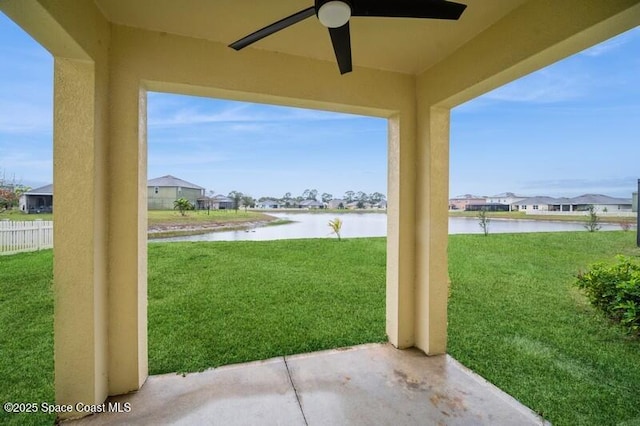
[
  {"x": 17, "y": 215},
  {"x": 514, "y": 316},
  {"x": 26, "y": 334},
  {"x": 555, "y": 218},
  {"x": 228, "y": 302}
]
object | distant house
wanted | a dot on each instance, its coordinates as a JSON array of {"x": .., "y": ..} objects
[
  {"x": 221, "y": 202},
  {"x": 217, "y": 202},
  {"x": 268, "y": 204},
  {"x": 337, "y": 204},
  {"x": 39, "y": 200},
  {"x": 506, "y": 198},
  {"x": 489, "y": 207},
  {"x": 163, "y": 191},
  {"x": 532, "y": 205},
  {"x": 310, "y": 204},
  {"x": 462, "y": 201},
  {"x": 600, "y": 203},
  {"x": 381, "y": 205}
]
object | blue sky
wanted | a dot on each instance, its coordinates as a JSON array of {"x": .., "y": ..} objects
[{"x": 569, "y": 129}]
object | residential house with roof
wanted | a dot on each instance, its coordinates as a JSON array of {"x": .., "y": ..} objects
[
  {"x": 39, "y": 200},
  {"x": 505, "y": 198},
  {"x": 462, "y": 201},
  {"x": 337, "y": 203},
  {"x": 310, "y": 204},
  {"x": 163, "y": 191},
  {"x": 601, "y": 204},
  {"x": 533, "y": 205},
  {"x": 269, "y": 204}
]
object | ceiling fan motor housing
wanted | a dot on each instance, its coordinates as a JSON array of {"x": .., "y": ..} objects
[{"x": 333, "y": 13}]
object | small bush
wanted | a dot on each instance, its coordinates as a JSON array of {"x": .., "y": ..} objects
[
  {"x": 626, "y": 225},
  {"x": 615, "y": 290}
]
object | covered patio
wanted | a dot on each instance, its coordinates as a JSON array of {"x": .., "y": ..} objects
[
  {"x": 364, "y": 385},
  {"x": 110, "y": 53}
]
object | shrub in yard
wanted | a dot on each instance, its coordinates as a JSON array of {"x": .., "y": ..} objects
[{"x": 615, "y": 290}]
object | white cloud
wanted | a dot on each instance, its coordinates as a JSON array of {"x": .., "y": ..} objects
[
  {"x": 611, "y": 44},
  {"x": 544, "y": 86},
  {"x": 174, "y": 110}
]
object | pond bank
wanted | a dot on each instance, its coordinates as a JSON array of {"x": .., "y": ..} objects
[{"x": 159, "y": 231}]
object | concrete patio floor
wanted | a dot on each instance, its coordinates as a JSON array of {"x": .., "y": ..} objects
[{"x": 372, "y": 384}]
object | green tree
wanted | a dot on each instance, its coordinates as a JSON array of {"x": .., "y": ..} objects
[
  {"x": 376, "y": 197},
  {"x": 336, "y": 226},
  {"x": 310, "y": 194},
  {"x": 247, "y": 201},
  {"x": 362, "y": 197},
  {"x": 349, "y": 196},
  {"x": 593, "y": 221},
  {"x": 182, "y": 205},
  {"x": 326, "y": 197},
  {"x": 286, "y": 199},
  {"x": 236, "y": 196}
]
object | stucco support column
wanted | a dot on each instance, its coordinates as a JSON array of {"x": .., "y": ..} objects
[
  {"x": 128, "y": 366},
  {"x": 80, "y": 250},
  {"x": 432, "y": 188},
  {"x": 401, "y": 230}
]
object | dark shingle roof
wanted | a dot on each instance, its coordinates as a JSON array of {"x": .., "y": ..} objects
[
  {"x": 43, "y": 190},
  {"x": 599, "y": 199},
  {"x": 172, "y": 181},
  {"x": 582, "y": 199}
]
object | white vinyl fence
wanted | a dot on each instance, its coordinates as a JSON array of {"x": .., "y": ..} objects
[{"x": 16, "y": 237}]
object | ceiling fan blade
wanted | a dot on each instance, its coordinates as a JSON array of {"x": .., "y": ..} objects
[
  {"x": 341, "y": 40},
  {"x": 275, "y": 27},
  {"x": 434, "y": 9}
]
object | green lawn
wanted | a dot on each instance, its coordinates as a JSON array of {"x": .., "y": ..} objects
[
  {"x": 515, "y": 319},
  {"x": 17, "y": 215},
  {"x": 26, "y": 333},
  {"x": 514, "y": 316},
  {"x": 242, "y": 301},
  {"x": 556, "y": 218}
]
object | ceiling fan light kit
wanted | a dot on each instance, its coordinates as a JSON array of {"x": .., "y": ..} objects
[{"x": 335, "y": 15}]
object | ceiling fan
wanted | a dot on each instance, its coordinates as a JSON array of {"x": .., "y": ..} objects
[{"x": 335, "y": 15}]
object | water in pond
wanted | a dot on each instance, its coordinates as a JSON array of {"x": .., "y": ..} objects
[{"x": 315, "y": 225}]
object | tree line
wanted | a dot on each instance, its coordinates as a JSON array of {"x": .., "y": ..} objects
[{"x": 241, "y": 199}]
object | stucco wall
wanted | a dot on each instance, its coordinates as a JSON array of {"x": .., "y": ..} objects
[{"x": 166, "y": 195}]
